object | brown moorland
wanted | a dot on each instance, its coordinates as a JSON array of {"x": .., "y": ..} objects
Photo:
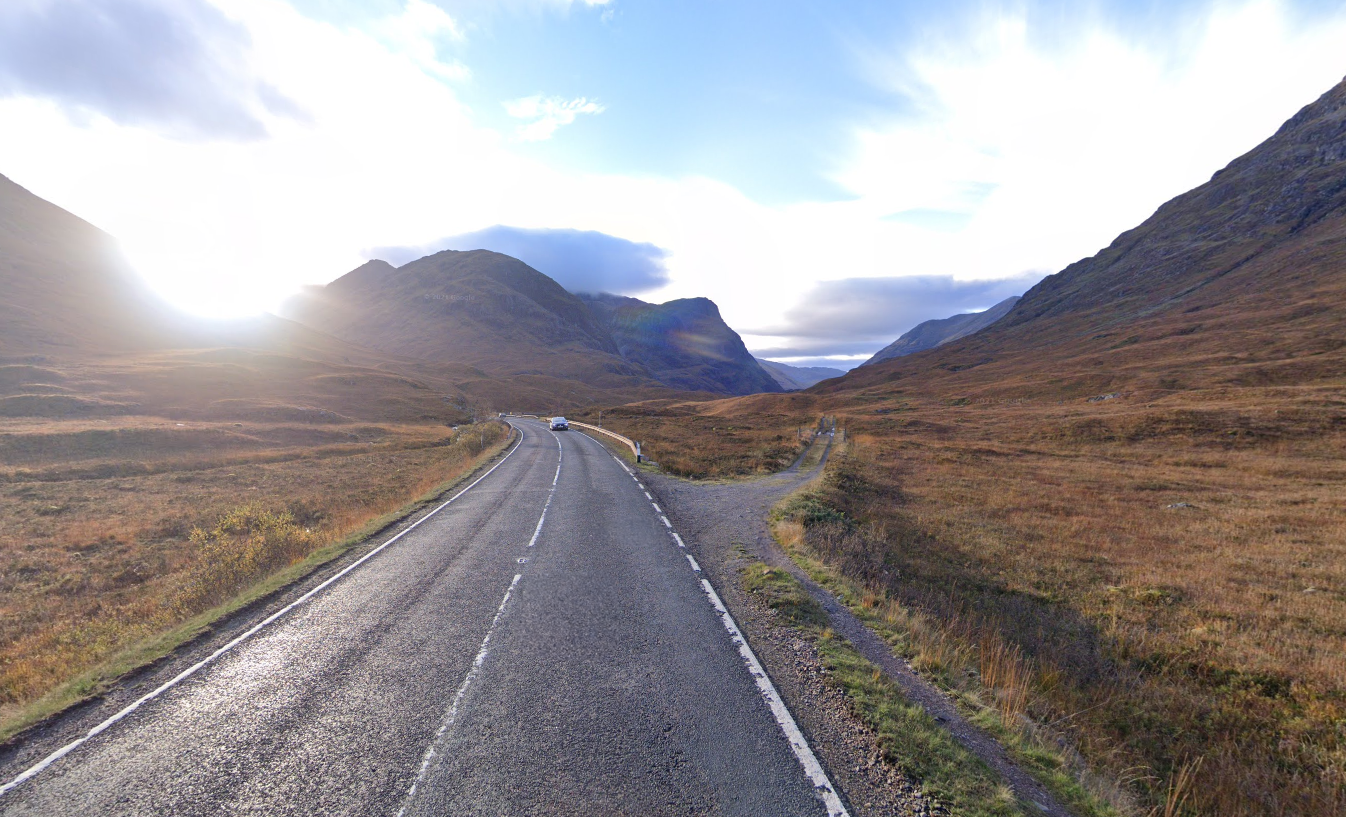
[
  {"x": 1132, "y": 485},
  {"x": 152, "y": 465},
  {"x": 117, "y": 531}
]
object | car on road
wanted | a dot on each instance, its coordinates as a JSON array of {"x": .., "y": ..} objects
[{"x": 559, "y": 424}]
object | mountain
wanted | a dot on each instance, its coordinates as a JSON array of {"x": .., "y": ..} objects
[
  {"x": 938, "y": 332},
  {"x": 66, "y": 285},
  {"x": 683, "y": 343},
  {"x": 488, "y": 313},
  {"x": 1239, "y": 282},
  {"x": 511, "y": 325},
  {"x": 81, "y": 335},
  {"x": 794, "y": 378}
]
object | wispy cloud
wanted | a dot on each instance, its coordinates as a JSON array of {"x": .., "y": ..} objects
[
  {"x": 547, "y": 115},
  {"x": 418, "y": 33}
]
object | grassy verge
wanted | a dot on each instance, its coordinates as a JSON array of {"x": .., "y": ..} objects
[
  {"x": 989, "y": 679},
  {"x": 688, "y": 444},
  {"x": 171, "y": 636},
  {"x": 910, "y": 738}
]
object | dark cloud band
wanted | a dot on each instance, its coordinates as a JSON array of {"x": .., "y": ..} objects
[
  {"x": 580, "y": 261},
  {"x": 862, "y": 315}
]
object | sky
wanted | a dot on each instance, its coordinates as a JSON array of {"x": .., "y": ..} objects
[{"x": 829, "y": 174}]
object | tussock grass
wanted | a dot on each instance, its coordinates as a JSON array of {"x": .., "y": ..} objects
[
  {"x": 910, "y": 739},
  {"x": 1163, "y": 571},
  {"x": 689, "y": 444},
  {"x": 1157, "y": 602}
]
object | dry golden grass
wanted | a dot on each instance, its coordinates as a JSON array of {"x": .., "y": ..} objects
[
  {"x": 116, "y": 532},
  {"x": 1162, "y": 582},
  {"x": 689, "y": 443}
]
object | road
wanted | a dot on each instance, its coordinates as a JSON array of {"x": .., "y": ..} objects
[{"x": 543, "y": 644}]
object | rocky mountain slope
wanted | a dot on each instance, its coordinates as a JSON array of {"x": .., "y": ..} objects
[
  {"x": 938, "y": 332},
  {"x": 683, "y": 343},
  {"x": 1239, "y": 282},
  {"x": 794, "y": 378},
  {"x": 509, "y": 322}
]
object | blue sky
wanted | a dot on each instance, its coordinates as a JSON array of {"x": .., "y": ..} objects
[{"x": 813, "y": 168}]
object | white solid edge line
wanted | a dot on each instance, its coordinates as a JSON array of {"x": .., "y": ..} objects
[
  {"x": 822, "y": 786},
  {"x": 37, "y": 768},
  {"x": 452, "y": 715}
]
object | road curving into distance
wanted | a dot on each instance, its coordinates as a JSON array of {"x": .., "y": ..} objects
[{"x": 543, "y": 644}]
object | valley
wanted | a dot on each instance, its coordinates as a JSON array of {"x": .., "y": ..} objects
[{"x": 1104, "y": 519}]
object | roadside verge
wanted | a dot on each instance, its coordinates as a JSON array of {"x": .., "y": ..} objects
[
  {"x": 937, "y": 732},
  {"x": 71, "y": 709}
]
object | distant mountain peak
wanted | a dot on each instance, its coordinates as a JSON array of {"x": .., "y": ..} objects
[
  {"x": 796, "y": 378},
  {"x": 938, "y": 332},
  {"x": 684, "y": 342}
]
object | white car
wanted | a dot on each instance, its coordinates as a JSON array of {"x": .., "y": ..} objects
[{"x": 559, "y": 424}]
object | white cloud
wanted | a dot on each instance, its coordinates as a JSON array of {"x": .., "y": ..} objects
[
  {"x": 418, "y": 33},
  {"x": 548, "y": 114},
  {"x": 1053, "y": 151},
  {"x": 1048, "y": 151}
]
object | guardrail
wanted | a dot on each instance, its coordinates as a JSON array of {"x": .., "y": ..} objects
[{"x": 630, "y": 443}]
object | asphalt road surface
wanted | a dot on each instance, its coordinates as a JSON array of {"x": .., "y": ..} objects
[{"x": 541, "y": 645}]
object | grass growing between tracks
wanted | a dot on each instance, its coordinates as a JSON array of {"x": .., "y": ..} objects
[
  {"x": 910, "y": 739},
  {"x": 233, "y": 555}
]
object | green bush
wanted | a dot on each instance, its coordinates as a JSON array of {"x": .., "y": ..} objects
[
  {"x": 247, "y": 544},
  {"x": 810, "y": 510}
]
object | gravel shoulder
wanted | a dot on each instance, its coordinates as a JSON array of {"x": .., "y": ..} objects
[{"x": 725, "y": 523}]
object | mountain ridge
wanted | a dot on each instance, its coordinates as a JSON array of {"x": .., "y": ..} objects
[
  {"x": 1236, "y": 282},
  {"x": 684, "y": 343},
  {"x": 506, "y": 320},
  {"x": 796, "y": 378},
  {"x": 937, "y": 332}
]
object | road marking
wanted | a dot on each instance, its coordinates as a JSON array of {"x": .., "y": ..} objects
[
  {"x": 657, "y": 509},
  {"x": 822, "y": 786},
  {"x": 647, "y": 496},
  {"x": 37, "y": 768},
  {"x": 452, "y": 714},
  {"x": 543, "y": 518}
]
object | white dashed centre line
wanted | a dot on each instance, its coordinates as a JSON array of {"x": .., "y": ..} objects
[
  {"x": 36, "y": 768},
  {"x": 451, "y": 716}
]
